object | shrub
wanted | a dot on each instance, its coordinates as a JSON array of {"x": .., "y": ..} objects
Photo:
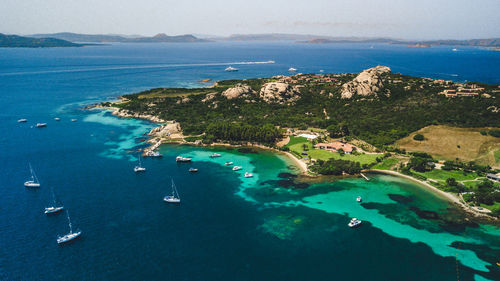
[
  {"x": 484, "y": 133},
  {"x": 418, "y": 137},
  {"x": 494, "y": 133}
]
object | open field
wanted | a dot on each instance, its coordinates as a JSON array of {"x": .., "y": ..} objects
[
  {"x": 386, "y": 164},
  {"x": 296, "y": 145},
  {"x": 450, "y": 143}
]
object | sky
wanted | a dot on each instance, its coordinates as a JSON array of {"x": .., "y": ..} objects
[{"x": 403, "y": 19}]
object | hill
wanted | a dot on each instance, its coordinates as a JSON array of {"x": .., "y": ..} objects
[
  {"x": 376, "y": 106},
  {"x": 15, "y": 41},
  {"x": 100, "y": 38}
]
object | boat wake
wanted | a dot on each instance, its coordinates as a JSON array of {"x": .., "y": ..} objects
[{"x": 142, "y": 66}]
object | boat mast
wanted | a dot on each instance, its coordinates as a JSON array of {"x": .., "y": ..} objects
[{"x": 69, "y": 222}]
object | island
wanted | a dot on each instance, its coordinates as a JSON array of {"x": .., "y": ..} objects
[
  {"x": 440, "y": 133},
  {"x": 15, "y": 41}
]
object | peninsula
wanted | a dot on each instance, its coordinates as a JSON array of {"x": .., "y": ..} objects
[
  {"x": 442, "y": 133},
  {"x": 15, "y": 41}
]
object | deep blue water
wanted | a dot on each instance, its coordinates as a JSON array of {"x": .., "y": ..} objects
[{"x": 227, "y": 227}]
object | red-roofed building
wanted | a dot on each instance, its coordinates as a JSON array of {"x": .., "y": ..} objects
[{"x": 336, "y": 146}]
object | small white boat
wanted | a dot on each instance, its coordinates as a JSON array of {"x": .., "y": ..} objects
[
  {"x": 359, "y": 199},
  {"x": 248, "y": 175},
  {"x": 228, "y": 163},
  {"x": 270, "y": 61},
  {"x": 73, "y": 120},
  {"x": 182, "y": 159},
  {"x": 230, "y": 68},
  {"x": 193, "y": 170},
  {"x": 153, "y": 154},
  {"x": 40, "y": 125},
  {"x": 291, "y": 69},
  {"x": 53, "y": 210},
  {"x": 354, "y": 222},
  {"x": 70, "y": 236},
  {"x": 215, "y": 155},
  {"x": 321, "y": 70},
  {"x": 174, "y": 198},
  {"x": 139, "y": 168},
  {"x": 34, "y": 180},
  {"x": 454, "y": 50},
  {"x": 22, "y": 120},
  {"x": 236, "y": 168},
  {"x": 57, "y": 119}
]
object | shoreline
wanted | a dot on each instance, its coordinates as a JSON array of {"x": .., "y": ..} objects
[
  {"x": 445, "y": 195},
  {"x": 302, "y": 167}
]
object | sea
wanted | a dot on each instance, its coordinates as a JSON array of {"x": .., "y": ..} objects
[{"x": 273, "y": 226}]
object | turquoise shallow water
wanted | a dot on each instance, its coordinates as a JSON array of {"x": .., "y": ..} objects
[{"x": 273, "y": 226}]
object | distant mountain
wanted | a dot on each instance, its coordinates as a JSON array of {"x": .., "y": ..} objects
[
  {"x": 319, "y": 39},
  {"x": 15, "y": 41},
  {"x": 102, "y": 38}
]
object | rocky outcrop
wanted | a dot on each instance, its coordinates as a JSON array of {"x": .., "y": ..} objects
[
  {"x": 279, "y": 92},
  {"x": 127, "y": 114},
  {"x": 367, "y": 83},
  {"x": 237, "y": 91},
  {"x": 209, "y": 97}
]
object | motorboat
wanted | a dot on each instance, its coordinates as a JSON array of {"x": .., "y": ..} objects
[
  {"x": 57, "y": 119},
  {"x": 248, "y": 175},
  {"x": 41, "y": 125},
  {"x": 152, "y": 153},
  {"x": 291, "y": 69},
  {"x": 193, "y": 170},
  {"x": 230, "y": 69},
  {"x": 174, "y": 197},
  {"x": 215, "y": 155},
  {"x": 354, "y": 223},
  {"x": 359, "y": 199},
  {"x": 183, "y": 159},
  {"x": 73, "y": 120},
  {"x": 53, "y": 210},
  {"x": 228, "y": 163},
  {"x": 236, "y": 168},
  {"x": 22, "y": 120},
  {"x": 34, "y": 180}
]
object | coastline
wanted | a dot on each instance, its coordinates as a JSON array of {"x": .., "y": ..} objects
[
  {"x": 155, "y": 134},
  {"x": 445, "y": 195}
]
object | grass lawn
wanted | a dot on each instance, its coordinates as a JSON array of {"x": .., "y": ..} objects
[
  {"x": 493, "y": 208},
  {"x": 442, "y": 175},
  {"x": 296, "y": 145},
  {"x": 386, "y": 164}
]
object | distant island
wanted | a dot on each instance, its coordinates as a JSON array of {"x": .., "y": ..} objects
[
  {"x": 15, "y": 41},
  {"x": 443, "y": 134},
  {"x": 101, "y": 38}
]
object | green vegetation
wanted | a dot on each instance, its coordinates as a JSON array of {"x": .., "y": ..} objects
[
  {"x": 442, "y": 175},
  {"x": 296, "y": 145},
  {"x": 336, "y": 167},
  {"x": 386, "y": 164},
  {"x": 494, "y": 133},
  {"x": 418, "y": 137},
  {"x": 239, "y": 132},
  {"x": 378, "y": 121}
]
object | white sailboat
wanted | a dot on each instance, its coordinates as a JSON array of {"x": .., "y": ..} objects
[
  {"x": 139, "y": 168},
  {"x": 70, "y": 236},
  {"x": 231, "y": 69},
  {"x": 174, "y": 198},
  {"x": 34, "y": 180},
  {"x": 54, "y": 208}
]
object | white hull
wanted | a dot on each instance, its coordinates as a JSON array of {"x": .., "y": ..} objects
[
  {"x": 139, "y": 169},
  {"x": 40, "y": 125},
  {"x": 68, "y": 237},
  {"x": 31, "y": 184},
  {"x": 53, "y": 210},
  {"x": 228, "y": 163},
  {"x": 171, "y": 199},
  {"x": 236, "y": 168},
  {"x": 182, "y": 159},
  {"x": 248, "y": 175},
  {"x": 354, "y": 223}
]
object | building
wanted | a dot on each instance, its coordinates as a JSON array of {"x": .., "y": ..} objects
[
  {"x": 336, "y": 146},
  {"x": 493, "y": 177}
]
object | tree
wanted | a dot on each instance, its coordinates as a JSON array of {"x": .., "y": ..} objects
[
  {"x": 451, "y": 182},
  {"x": 418, "y": 137}
]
